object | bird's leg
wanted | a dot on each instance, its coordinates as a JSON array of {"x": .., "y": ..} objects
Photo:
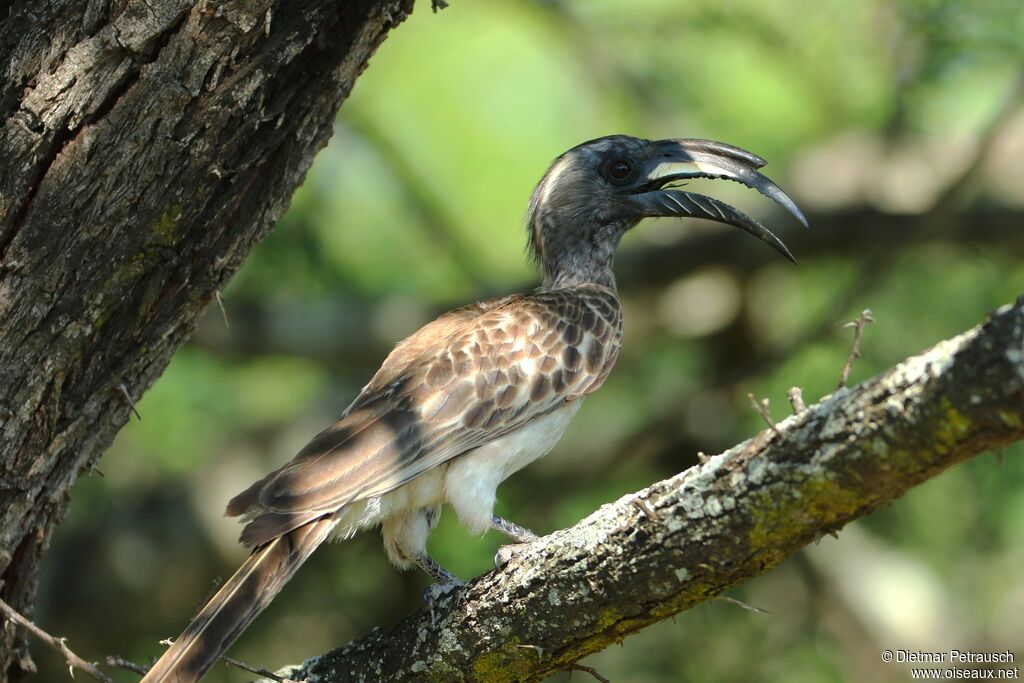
[
  {"x": 438, "y": 573},
  {"x": 512, "y": 530},
  {"x": 521, "y": 535}
]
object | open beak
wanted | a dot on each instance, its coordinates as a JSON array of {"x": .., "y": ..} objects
[{"x": 690, "y": 158}]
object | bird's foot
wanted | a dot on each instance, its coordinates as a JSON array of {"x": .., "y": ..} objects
[
  {"x": 507, "y": 553},
  {"x": 444, "y": 584},
  {"x": 436, "y": 591}
]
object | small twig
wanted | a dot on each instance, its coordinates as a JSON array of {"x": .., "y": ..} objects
[
  {"x": 220, "y": 302},
  {"x": 239, "y": 664},
  {"x": 858, "y": 329},
  {"x": 434, "y": 220},
  {"x": 438, "y": 5},
  {"x": 763, "y": 409},
  {"x": 586, "y": 669},
  {"x": 702, "y": 457},
  {"x": 740, "y": 603},
  {"x": 259, "y": 671},
  {"x": 128, "y": 397},
  {"x": 126, "y": 664},
  {"x": 988, "y": 140},
  {"x": 796, "y": 399},
  {"x": 58, "y": 644},
  {"x": 537, "y": 648}
]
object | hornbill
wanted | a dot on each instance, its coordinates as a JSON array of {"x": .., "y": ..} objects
[{"x": 476, "y": 394}]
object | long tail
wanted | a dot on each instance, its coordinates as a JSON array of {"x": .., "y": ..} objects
[{"x": 237, "y": 603}]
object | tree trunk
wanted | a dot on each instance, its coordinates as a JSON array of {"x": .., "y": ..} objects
[{"x": 145, "y": 147}]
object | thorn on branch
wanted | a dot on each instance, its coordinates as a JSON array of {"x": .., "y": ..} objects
[
  {"x": 863, "y": 319},
  {"x": 740, "y": 603},
  {"x": 762, "y": 408},
  {"x": 128, "y": 397},
  {"x": 834, "y": 533},
  {"x": 220, "y": 302},
  {"x": 796, "y": 399},
  {"x": 259, "y": 671},
  {"x": 58, "y": 644},
  {"x": 537, "y": 648}
]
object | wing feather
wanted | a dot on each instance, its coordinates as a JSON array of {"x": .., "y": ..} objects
[{"x": 470, "y": 376}]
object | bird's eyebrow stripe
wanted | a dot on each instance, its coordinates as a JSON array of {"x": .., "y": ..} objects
[
  {"x": 549, "y": 181},
  {"x": 552, "y": 177}
]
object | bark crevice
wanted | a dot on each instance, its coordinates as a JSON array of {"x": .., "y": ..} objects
[{"x": 139, "y": 168}]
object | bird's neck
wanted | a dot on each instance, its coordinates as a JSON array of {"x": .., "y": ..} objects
[
  {"x": 569, "y": 269},
  {"x": 578, "y": 257}
]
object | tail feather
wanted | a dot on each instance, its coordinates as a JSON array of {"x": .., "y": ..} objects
[{"x": 237, "y": 603}]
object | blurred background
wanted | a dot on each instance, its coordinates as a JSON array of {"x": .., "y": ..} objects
[{"x": 897, "y": 126}]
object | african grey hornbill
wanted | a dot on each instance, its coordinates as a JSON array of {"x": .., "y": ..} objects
[{"x": 476, "y": 394}]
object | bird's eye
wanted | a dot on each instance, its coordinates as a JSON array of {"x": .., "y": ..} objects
[{"x": 618, "y": 170}]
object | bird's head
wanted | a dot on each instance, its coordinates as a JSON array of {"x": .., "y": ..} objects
[{"x": 598, "y": 190}]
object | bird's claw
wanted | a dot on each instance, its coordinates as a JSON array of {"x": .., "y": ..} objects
[
  {"x": 435, "y": 591},
  {"x": 507, "y": 553}
]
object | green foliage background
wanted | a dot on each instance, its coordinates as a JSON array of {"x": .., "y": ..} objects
[{"x": 416, "y": 206}]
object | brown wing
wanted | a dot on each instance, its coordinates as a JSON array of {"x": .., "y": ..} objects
[{"x": 461, "y": 381}]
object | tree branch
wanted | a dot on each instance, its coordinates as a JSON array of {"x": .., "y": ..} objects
[
  {"x": 58, "y": 644},
  {"x": 684, "y": 540}
]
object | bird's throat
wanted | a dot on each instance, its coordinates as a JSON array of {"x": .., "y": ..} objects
[
  {"x": 579, "y": 266},
  {"x": 561, "y": 279}
]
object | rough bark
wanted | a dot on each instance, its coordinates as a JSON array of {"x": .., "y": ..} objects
[
  {"x": 145, "y": 147},
  {"x": 682, "y": 541}
]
